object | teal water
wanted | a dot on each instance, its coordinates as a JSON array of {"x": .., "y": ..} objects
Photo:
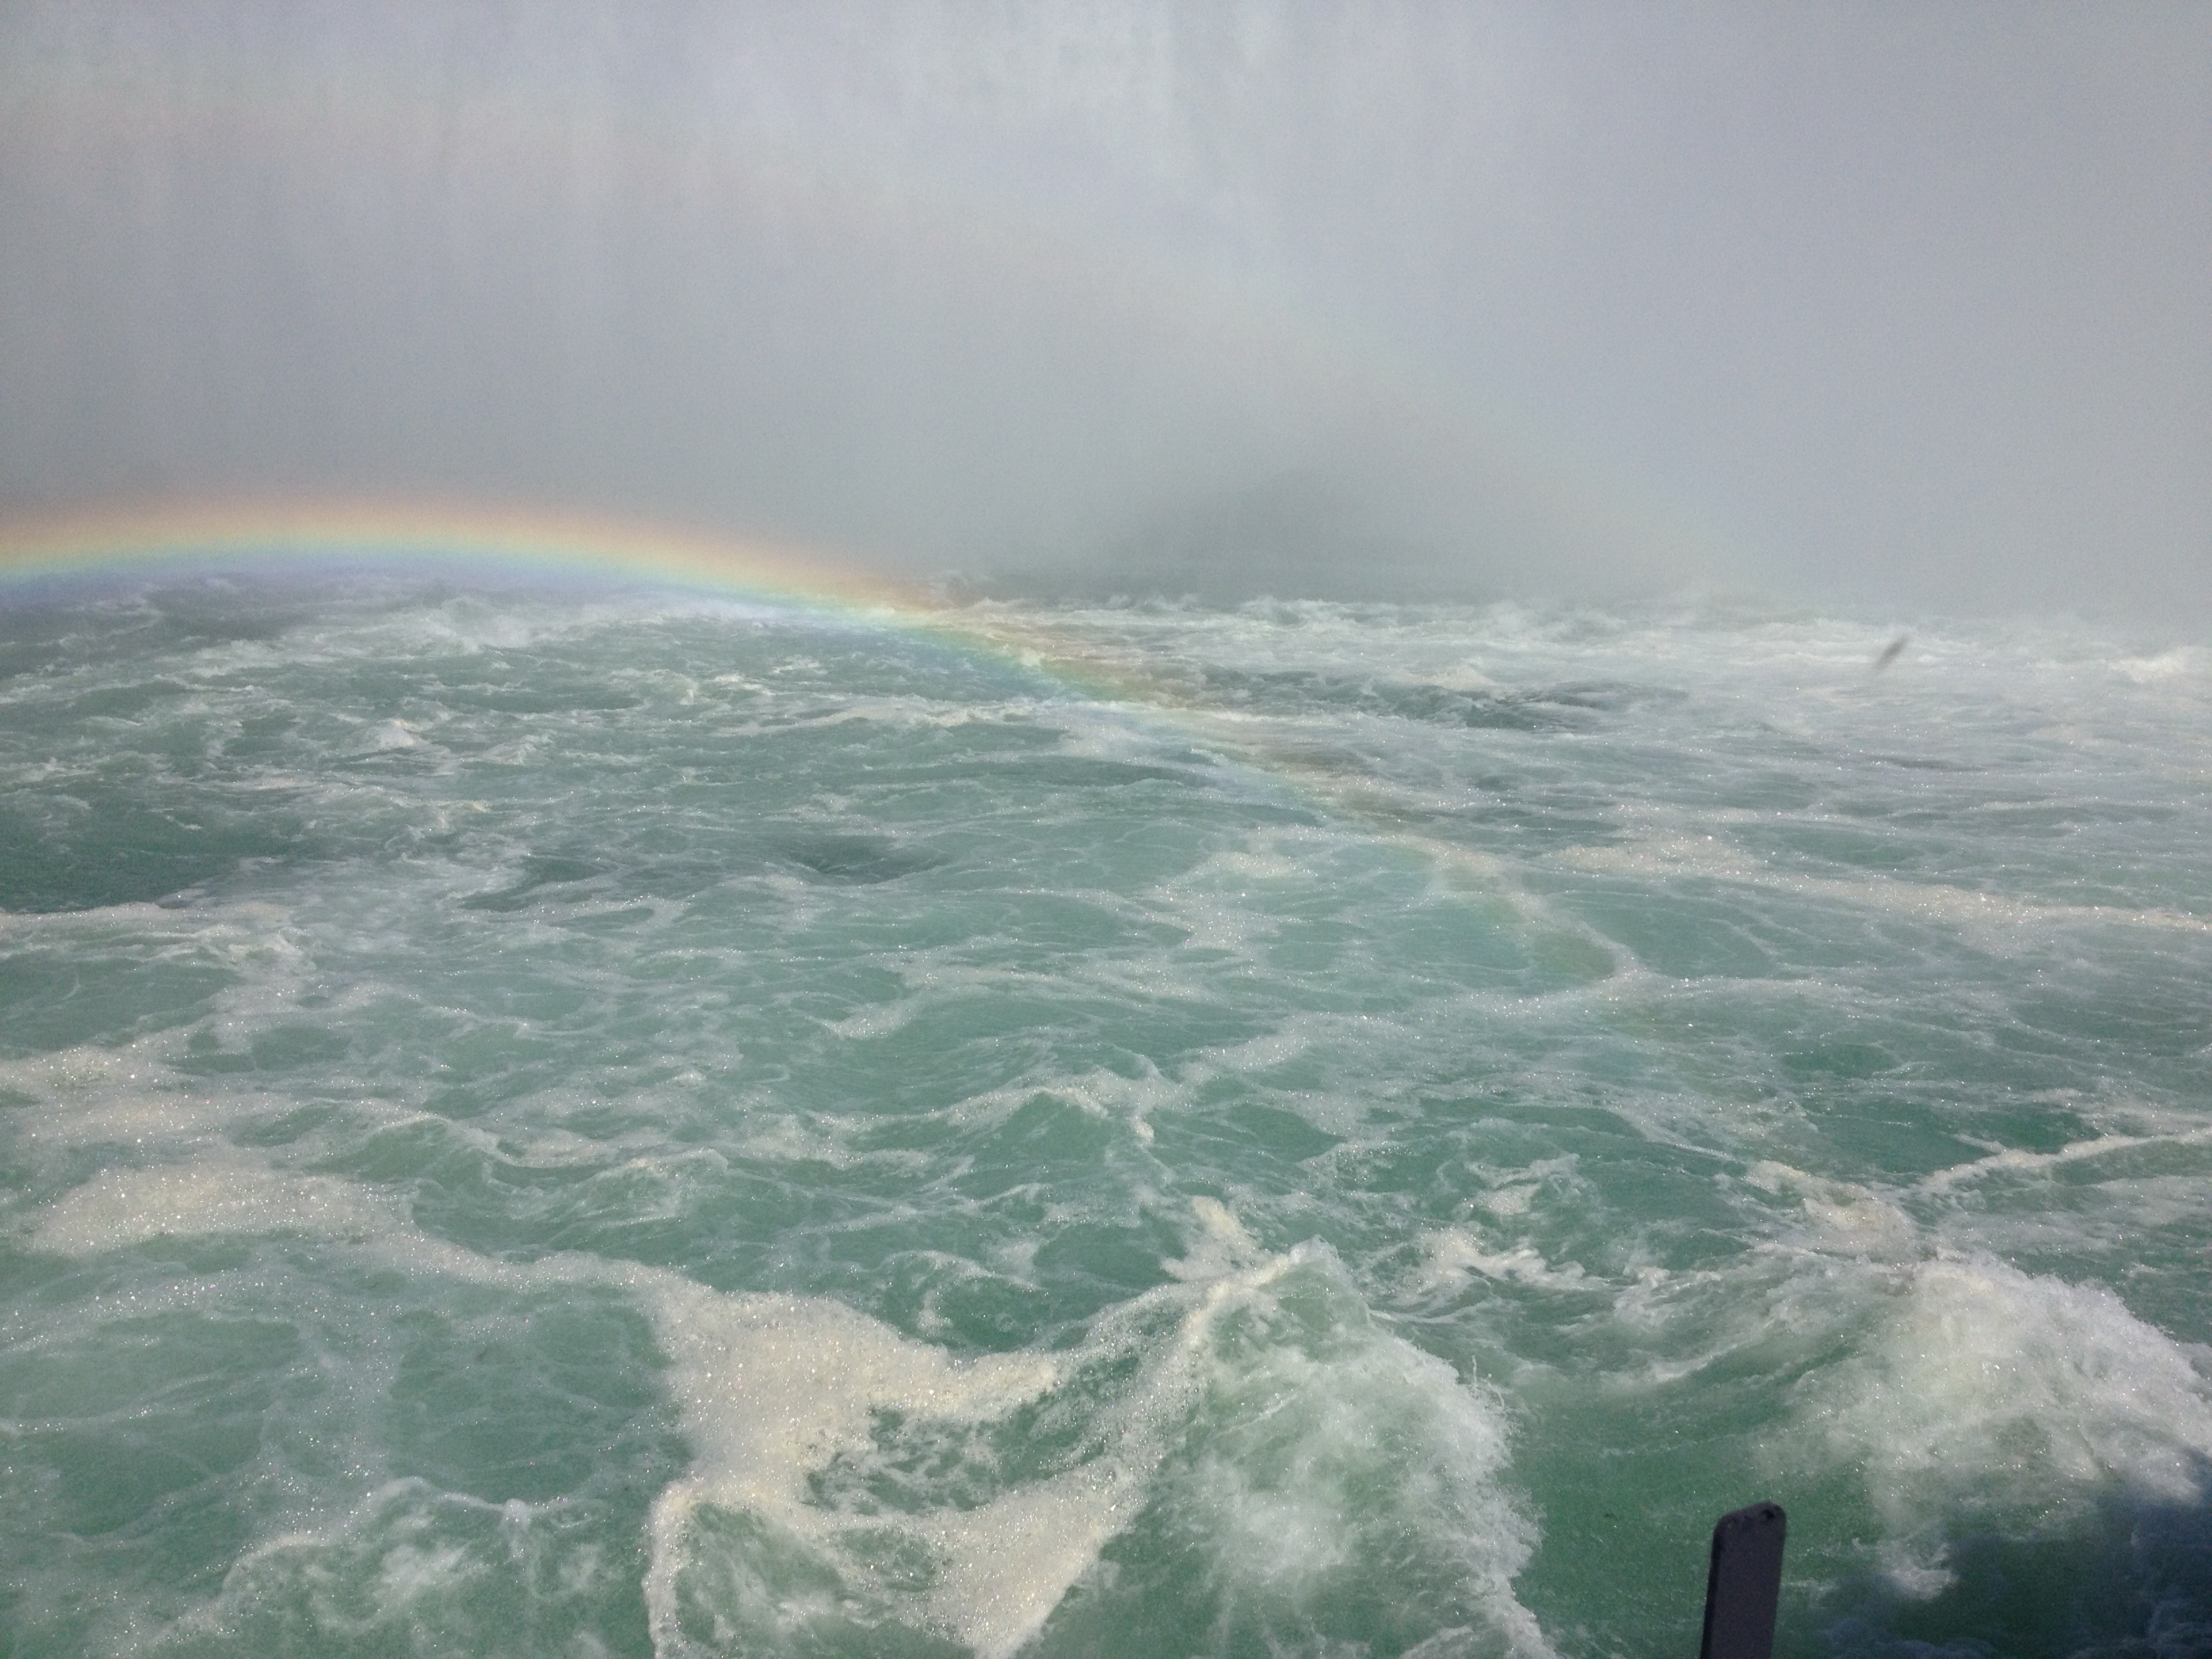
[{"x": 591, "y": 1122}]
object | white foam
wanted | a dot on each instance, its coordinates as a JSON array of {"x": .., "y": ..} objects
[
  {"x": 1220, "y": 1247},
  {"x": 995, "y": 1571},
  {"x": 61, "y": 1074},
  {"x": 1009, "y": 1562},
  {"x": 1844, "y": 1217},
  {"x": 1984, "y": 1392},
  {"x": 154, "y": 928},
  {"x": 2014, "y": 1161},
  {"x": 2181, "y": 662},
  {"x": 95, "y": 1097},
  {"x": 1453, "y": 1256},
  {"x": 1101, "y": 1093},
  {"x": 1331, "y": 1446},
  {"x": 388, "y": 735},
  {"x": 124, "y": 1207},
  {"x": 775, "y": 1390}
]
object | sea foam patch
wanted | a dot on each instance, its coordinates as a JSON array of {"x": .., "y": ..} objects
[
  {"x": 776, "y": 1390},
  {"x": 886, "y": 1472},
  {"x": 1328, "y": 1447},
  {"x": 1345, "y": 1412},
  {"x": 771, "y": 1390},
  {"x": 124, "y": 1207},
  {"x": 1985, "y": 1394}
]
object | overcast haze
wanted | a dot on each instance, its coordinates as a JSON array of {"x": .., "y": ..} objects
[{"x": 1908, "y": 305}]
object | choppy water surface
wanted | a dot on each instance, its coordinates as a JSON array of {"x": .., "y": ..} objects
[{"x": 586, "y": 1123}]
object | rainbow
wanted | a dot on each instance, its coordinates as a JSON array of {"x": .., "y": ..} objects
[
  {"x": 271, "y": 533},
  {"x": 277, "y": 536}
]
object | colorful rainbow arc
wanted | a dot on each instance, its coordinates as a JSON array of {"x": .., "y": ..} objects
[
  {"x": 457, "y": 538},
  {"x": 414, "y": 532}
]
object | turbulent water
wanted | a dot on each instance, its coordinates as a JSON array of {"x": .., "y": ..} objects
[{"x": 595, "y": 1122}]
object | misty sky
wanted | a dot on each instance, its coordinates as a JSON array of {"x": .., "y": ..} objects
[{"x": 1907, "y": 303}]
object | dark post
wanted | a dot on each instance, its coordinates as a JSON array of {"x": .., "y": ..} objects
[{"x": 1744, "y": 1583}]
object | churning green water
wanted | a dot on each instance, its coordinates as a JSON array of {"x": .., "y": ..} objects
[{"x": 579, "y": 1123}]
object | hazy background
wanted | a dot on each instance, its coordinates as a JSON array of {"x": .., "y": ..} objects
[{"x": 1906, "y": 304}]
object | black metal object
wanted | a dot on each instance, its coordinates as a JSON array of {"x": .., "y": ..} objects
[{"x": 1744, "y": 1583}]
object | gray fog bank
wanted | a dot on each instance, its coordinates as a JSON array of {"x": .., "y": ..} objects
[{"x": 1908, "y": 306}]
